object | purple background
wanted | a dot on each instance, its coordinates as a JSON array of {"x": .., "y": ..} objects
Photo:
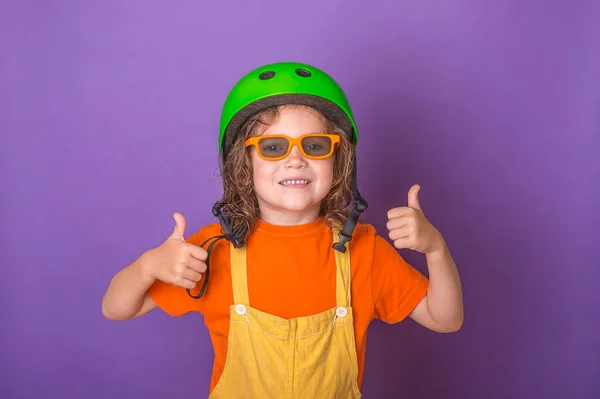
[{"x": 108, "y": 119}]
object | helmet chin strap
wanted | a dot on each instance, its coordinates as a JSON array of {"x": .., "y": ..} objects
[
  {"x": 233, "y": 234},
  {"x": 359, "y": 205},
  {"x": 236, "y": 234}
]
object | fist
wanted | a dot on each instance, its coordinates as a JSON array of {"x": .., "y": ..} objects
[
  {"x": 175, "y": 261},
  {"x": 409, "y": 228}
]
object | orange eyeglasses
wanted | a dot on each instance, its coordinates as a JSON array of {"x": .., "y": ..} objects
[{"x": 312, "y": 145}]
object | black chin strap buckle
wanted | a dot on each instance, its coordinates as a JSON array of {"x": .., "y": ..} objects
[
  {"x": 234, "y": 235},
  {"x": 341, "y": 244},
  {"x": 359, "y": 205}
]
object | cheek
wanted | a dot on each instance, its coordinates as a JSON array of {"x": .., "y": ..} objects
[
  {"x": 325, "y": 171},
  {"x": 262, "y": 170},
  {"x": 328, "y": 168}
]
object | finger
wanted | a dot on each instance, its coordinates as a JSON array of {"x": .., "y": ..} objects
[
  {"x": 192, "y": 275},
  {"x": 195, "y": 264},
  {"x": 180, "y": 281},
  {"x": 180, "y": 225},
  {"x": 196, "y": 251},
  {"x": 397, "y": 223},
  {"x": 413, "y": 197},
  {"x": 403, "y": 243},
  {"x": 400, "y": 233},
  {"x": 397, "y": 212}
]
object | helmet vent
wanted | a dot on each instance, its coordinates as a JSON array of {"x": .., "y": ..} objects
[
  {"x": 305, "y": 73},
  {"x": 266, "y": 75}
]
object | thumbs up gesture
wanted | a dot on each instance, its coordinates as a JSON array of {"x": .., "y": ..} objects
[
  {"x": 175, "y": 261},
  {"x": 409, "y": 228}
]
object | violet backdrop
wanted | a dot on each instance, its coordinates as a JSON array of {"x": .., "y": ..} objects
[{"x": 109, "y": 117}]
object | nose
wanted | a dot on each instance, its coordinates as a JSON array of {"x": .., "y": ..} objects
[{"x": 295, "y": 159}]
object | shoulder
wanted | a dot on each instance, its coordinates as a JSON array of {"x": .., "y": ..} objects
[
  {"x": 363, "y": 233},
  {"x": 366, "y": 238},
  {"x": 365, "y": 229},
  {"x": 204, "y": 233},
  {"x": 363, "y": 240}
]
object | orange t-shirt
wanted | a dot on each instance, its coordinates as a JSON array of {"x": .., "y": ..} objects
[{"x": 291, "y": 273}]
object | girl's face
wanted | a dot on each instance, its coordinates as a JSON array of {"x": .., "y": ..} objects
[{"x": 290, "y": 190}]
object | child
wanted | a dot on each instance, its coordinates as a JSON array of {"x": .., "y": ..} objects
[{"x": 288, "y": 280}]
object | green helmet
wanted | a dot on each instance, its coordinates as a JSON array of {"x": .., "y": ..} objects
[{"x": 280, "y": 84}]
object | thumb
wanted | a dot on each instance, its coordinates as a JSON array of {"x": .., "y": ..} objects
[
  {"x": 413, "y": 197},
  {"x": 179, "y": 230}
]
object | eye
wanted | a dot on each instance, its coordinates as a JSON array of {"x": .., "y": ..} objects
[
  {"x": 271, "y": 148},
  {"x": 314, "y": 147}
]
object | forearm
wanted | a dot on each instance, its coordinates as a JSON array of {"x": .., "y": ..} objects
[
  {"x": 444, "y": 295},
  {"x": 127, "y": 290}
]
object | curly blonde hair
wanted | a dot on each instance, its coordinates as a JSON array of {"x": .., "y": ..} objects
[{"x": 239, "y": 200}]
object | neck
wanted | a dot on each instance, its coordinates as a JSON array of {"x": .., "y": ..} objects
[{"x": 280, "y": 217}]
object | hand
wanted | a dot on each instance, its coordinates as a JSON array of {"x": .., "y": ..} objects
[
  {"x": 409, "y": 228},
  {"x": 175, "y": 261}
]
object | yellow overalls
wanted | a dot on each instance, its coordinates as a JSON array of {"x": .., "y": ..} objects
[{"x": 302, "y": 358}]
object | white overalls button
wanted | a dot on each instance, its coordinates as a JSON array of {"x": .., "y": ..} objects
[
  {"x": 240, "y": 309},
  {"x": 341, "y": 312}
]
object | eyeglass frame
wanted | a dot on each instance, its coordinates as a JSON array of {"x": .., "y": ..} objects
[{"x": 254, "y": 141}]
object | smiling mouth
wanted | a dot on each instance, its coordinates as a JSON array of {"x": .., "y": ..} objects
[{"x": 297, "y": 182}]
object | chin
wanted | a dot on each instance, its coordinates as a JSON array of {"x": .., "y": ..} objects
[{"x": 296, "y": 206}]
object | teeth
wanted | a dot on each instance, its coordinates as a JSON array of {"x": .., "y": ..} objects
[{"x": 292, "y": 182}]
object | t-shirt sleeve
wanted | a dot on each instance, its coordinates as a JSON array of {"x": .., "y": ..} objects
[
  {"x": 173, "y": 300},
  {"x": 397, "y": 287}
]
